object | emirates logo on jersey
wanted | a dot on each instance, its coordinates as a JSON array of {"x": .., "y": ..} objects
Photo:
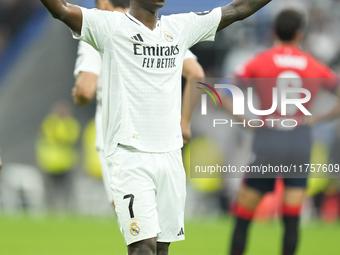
[
  {"x": 158, "y": 50},
  {"x": 157, "y": 56}
]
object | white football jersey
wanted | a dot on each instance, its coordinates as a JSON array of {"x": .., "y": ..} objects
[
  {"x": 89, "y": 60},
  {"x": 141, "y": 74}
]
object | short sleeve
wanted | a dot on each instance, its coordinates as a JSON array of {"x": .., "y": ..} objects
[
  {"x": 88, "y": 60},
  {"x": 97, "y": 26},
  {"x": 190, "y": 55},
  {"x": 200, "y": 27}
]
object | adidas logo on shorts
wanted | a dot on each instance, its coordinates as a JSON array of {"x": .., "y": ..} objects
[{"x": 181, "y": 232}]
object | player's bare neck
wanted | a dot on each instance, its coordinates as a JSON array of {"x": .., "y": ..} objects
[
  {"x": 293, "y": 43},
  {"x": 147, "y": 16},
  {"x": 296, "y": 41},
  {"x": 120, "y": 9}
]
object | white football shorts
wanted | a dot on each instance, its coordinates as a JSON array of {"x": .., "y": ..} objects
[{"x": 149, "y": 191}]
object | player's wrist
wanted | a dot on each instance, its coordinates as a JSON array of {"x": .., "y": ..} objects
[{"x": 185, "y": 121}]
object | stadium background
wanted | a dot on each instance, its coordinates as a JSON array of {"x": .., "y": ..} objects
[{"x": 37, "y": 56}]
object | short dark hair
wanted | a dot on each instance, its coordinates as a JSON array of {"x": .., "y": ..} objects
[
  {"x": 120, "y": 3},
  {"x": 288, "y": 23}
]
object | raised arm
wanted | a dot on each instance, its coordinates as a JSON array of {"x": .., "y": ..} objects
[
  {"x": 239, "y": 10},
  {"x": 70, "y": 14}
]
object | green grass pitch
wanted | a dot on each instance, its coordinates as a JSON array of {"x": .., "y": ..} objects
[{"x": 100, "y": 236}]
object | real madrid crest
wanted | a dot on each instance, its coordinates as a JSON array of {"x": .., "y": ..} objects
[
  {"x": 134, "y": 230},
  {"x": 168, "y": 36}
]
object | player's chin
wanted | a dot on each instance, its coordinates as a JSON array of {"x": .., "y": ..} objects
[{"x": 159, "y": 3}]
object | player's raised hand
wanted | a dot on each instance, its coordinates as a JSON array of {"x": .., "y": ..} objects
[
  {"x": 70, "y": 14},
  {"x": 239, "y": 10}
]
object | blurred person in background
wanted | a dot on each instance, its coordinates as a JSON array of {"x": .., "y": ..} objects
[
  {"x": 22, "y": 189},
  {"x": 87, "y": 72},
  {"x": 57, "y": 155},
  {"x": 141, "y": 107},
  {"x": 273, "y": 145}
]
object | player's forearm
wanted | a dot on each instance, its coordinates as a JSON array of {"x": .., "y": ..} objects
[
  {"x": 246, "y": 8},
  {"x": 186, "y": 113},
  {"x": 190, "y": 101},
  {"x": 70, "y": 14},
  {"x": 191, "y": 70},
  {"x": 57, "y": 8},
  {"x": 239, "y": 10}
]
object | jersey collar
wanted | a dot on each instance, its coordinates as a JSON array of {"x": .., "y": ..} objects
[{"x": 133, "y": 19}]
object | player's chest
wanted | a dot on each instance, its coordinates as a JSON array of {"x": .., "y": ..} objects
[{"x": 148, "y": 49}]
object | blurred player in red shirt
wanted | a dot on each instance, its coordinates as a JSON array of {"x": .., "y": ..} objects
[{"x": 286, "y": 66}]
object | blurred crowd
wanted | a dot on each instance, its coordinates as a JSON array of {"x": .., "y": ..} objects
[{"x": 13, "y": 15}]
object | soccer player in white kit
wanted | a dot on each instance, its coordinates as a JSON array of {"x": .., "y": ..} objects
[
  {"x": 142, "y": 60},
  {"x": 87, "y": 72}
]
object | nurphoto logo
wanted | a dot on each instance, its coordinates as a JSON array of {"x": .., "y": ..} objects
[{"x": 286, "y": 101}]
